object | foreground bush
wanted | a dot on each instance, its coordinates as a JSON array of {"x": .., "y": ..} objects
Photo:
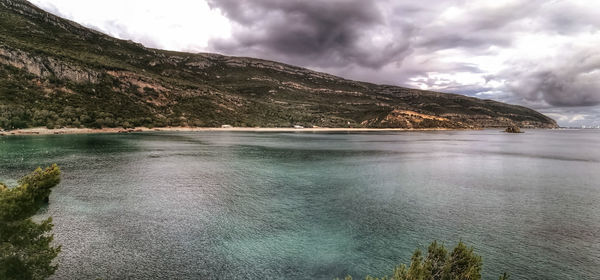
[
  {"x": 25, "y": 246},
  {"x": 439, "y": 264}
]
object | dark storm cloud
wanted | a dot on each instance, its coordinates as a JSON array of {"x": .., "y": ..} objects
[
  {"x": 571, "y": 80},
  {"x": 558, "y": 89},
  {"x": 318, "y": 33}
]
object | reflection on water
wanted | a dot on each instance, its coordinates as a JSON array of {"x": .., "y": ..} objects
[{"x": 227, "y": 205}]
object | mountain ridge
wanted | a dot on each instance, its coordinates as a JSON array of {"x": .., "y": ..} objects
[{"x": 55, "y": 73}]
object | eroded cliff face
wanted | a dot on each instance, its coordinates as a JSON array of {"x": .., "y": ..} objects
[
  {"x": 58, "y": 72},
  {"x": 46, "y": 67}
]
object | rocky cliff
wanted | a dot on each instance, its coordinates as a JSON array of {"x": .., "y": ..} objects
[{"x": 54, "y": 72}]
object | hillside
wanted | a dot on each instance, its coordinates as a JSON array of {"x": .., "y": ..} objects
[{"x": 55, "y": 73}]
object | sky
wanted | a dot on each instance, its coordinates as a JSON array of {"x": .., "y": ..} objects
[{"x": 541, "y": 54}]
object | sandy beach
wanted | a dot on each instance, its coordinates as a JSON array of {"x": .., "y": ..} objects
[{"x": 46, "y": 131}]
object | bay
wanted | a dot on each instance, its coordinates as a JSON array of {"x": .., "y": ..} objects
[{"x": 301, "y": 205}]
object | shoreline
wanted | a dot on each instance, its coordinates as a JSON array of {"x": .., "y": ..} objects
[{"x": 46, "y": 131}]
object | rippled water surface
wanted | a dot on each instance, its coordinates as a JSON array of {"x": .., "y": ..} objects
[{"x": 232, "y": 205}]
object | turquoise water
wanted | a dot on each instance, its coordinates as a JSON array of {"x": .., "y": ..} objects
[{"x": 233, "y": 205}]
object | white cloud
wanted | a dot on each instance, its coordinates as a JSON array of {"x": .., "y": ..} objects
[{"x": 182, "y": 25}]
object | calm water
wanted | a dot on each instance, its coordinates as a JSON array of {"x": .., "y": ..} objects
[{"x": 227, "y": 205}]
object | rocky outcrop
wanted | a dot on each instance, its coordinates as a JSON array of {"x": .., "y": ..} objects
[{"x": 46, "y": 67}]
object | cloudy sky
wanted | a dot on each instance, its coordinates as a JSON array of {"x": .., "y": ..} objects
[{"x": 541, "y": 54}]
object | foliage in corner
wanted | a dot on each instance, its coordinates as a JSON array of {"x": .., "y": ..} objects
[
  {"x": 26, "y": 250},
  {"x": 439, "y": 264}
]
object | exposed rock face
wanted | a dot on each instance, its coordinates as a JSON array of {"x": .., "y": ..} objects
[
  {"x": 46, "y": 67},
  {"x": 68, "y": 68}
]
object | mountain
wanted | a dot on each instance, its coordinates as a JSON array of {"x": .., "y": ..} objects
[{"x": 54, "y": 72}]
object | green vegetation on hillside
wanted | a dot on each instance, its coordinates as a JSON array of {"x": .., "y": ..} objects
[
  {"x": 439, "y": 264},
  {"x": 24, "y": 103},
  {"x": 26, "y": 250}
]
